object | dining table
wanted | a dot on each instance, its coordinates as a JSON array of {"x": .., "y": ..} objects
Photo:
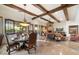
[{"x": 22, "y": 42}]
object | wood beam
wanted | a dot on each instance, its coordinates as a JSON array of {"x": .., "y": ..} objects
[
  {"x": 40, "y": 7},
  {"x": 18, "y": 8},
  {"x": 65, "y": 13},
  {"x": 55, "y": 10},
  {"x": 46, "y": 20},
  {"x": 54, "y": 18},
  {"x": 44, "y": 10},
  {"x": 21, "y": 9}
]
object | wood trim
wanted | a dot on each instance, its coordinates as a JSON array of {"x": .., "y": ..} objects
[
  {"x": 21, "y": 9},
  {"x": 1, "y": 17},
  {"x": 46, "y": 20},
  {"x": 54, "y": 18},
  {"x": 55, "y": 10},
  {"x": 44, "y": 10},
  {"x": 40, "y": 7},
  {"x": 65, "y": 12}
]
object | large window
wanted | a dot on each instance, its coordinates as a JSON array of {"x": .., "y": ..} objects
[
  {"x": 18, "y": 28},
  {"x": 13, "y": 26},
  {"x": 9, "y": 26}
]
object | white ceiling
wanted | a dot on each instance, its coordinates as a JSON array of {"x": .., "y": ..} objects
[
  {"x": 39, "y": 21},
  {"x": 73, "y": 11},
  {"x": 30, "y": 8},
  {"x": 49, "y": 18},
  {"x": 37, "y": 11},
  {"x": 50, "y": 6},
  {"x": 59, "y": 15}
]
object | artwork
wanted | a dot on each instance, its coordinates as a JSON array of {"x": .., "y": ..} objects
[
  {"x": 59, "y": 29},
  {"x": 73, "y": 29}
]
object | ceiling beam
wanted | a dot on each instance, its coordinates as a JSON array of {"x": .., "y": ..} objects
[
  {"x": 44, "y": 10},
  {"x": 55, "y": 10},
  {"x": 21, "y": 9},
  {"x": 46, "y": 20},
  {"x": 40, "y": 7},
  {"x": 65, "y": 12},
  {"x": 54, "y": 18}
]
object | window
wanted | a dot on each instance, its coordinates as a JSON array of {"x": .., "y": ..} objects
[
  {"x": 13, "y": 26},
  {"x": 17, "y": 27},
  {"x": 9, "y": 26}
]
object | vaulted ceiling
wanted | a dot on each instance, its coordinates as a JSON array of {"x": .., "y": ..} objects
[{"x": 47, "y": 12}]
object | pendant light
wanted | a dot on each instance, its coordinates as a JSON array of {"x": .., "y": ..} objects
[{"x": 24, "y": 23}]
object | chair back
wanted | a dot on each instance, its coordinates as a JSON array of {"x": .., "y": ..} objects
[
  {"x": 1, "y": 37},
  {"x": 32, "y": 40},
  {"x": 7, "y": 39}
]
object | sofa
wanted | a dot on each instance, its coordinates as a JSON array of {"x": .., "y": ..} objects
[
  {"x": 60, "y": 36},
  {"x": 74, "y": 37}
]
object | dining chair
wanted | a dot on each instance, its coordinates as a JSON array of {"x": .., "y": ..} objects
[
  {"x": 31, "y": 42},
  {"x": 11, "y": 45}
]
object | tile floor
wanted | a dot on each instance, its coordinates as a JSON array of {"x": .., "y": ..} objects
[{"x": 49, "y": 48}]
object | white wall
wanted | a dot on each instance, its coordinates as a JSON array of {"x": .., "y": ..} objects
[{"x": 59, "y": 25}]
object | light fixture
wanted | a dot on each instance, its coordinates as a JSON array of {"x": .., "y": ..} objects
[
  {"x": 24, "y": 23},
  {"x": 36, "y": 28}
]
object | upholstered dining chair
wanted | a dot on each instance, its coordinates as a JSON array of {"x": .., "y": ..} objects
[{"x": 31, "y": 42}]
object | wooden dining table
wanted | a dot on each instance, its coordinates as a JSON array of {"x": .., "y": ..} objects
[{"x": 22, "y": 43}]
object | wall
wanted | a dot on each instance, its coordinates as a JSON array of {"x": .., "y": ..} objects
[
  {"x": 60, "y": 25},
  {"x": 66, "y": 24}
]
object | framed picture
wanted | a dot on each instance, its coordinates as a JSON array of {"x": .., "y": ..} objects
[
  {"x": 73, "y": 29},
  {"x": 59, "y": 29}
]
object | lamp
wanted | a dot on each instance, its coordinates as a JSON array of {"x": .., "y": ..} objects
[{"x": 24, "y": 23}]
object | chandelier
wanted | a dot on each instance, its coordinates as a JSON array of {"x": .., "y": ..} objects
[{"x": 24, "y": 23}]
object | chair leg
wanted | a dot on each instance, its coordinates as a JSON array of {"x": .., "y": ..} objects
[
  {"x": 35, "y": 49},
  {"x": 28, "y": 51},
  {"x": 9, "y": 51}
]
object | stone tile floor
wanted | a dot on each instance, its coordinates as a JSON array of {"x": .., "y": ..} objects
[{"x": 49, "y": 48}]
